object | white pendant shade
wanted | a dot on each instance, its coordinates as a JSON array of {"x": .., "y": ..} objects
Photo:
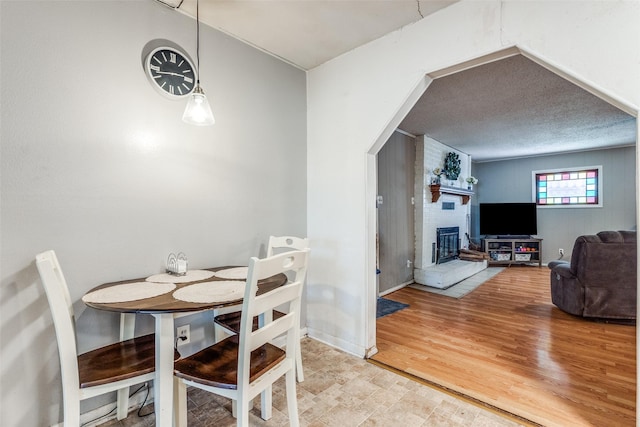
[{"x": 198, "y": 111}]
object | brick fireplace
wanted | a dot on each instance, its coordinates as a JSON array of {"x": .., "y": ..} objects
[{"x": 436, "y": 264}]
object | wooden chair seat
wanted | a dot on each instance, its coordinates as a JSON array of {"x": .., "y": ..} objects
[
  {"x": 246, "y": 365},
  {"x": 230, "y": 318},
  {"x": 231, "y": 321},
  {"x": 217, "y": 366},
  {"x": 118, "y": 361},
  {"x": 104, "y": 370}
]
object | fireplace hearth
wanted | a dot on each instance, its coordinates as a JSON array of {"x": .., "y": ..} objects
[{"x": 448, "y": 244}]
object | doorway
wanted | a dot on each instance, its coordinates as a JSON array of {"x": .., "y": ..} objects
[
  {"x": 395, "y": 210},
  {"x": 372, "y": 174}
]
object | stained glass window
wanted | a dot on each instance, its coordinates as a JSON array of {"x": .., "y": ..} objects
[{"x": 576, "y": 187}]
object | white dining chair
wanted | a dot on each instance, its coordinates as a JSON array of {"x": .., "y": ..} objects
[
  {"x": 244, "y": 365},
  {"x": 229, "y": 317},
  {"x": 103, "y": 370}
]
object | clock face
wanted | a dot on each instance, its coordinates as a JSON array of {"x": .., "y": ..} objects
[{"x": 170, "y": 72}]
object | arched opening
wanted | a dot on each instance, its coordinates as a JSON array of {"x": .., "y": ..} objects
[{"x": 422, "y": 87}]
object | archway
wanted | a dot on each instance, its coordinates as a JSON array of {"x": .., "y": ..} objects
[{"x": 422, "y": 86}]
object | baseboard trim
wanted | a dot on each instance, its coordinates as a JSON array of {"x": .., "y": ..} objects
[
  {"x": 337, "y": 343},
  {"x": 395, "y": 288}
]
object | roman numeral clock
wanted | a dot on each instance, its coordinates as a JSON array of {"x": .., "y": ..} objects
[{"x": 170, "y": 72}]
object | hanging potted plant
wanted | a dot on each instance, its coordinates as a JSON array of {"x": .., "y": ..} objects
[{"x": 452, "y": 167}]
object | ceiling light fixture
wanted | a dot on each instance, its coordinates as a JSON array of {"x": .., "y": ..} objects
[{"x": 198, "y": 111}]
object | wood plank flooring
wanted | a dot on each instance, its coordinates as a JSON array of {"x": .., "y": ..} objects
[{"x": 506, "y": 344}]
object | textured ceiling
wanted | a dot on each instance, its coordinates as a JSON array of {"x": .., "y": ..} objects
[{"x": 516, "y": 108}]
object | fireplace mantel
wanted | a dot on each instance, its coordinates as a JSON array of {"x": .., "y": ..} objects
[{"x": 438, "y": 189}]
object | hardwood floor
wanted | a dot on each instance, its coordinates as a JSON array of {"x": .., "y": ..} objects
[{"x": 507, "y": 345}]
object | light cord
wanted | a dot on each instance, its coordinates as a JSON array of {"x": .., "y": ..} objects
[{"x": 198, "y": 39}]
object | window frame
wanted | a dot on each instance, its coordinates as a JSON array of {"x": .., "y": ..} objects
[{"x": 534, "y": 186}]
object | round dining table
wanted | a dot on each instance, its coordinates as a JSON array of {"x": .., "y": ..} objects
[{"x": 165, "y": 296}]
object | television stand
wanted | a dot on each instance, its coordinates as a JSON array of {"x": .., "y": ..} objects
[{"x": 507, "y": 250}]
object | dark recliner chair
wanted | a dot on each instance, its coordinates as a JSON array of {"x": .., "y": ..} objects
[{"x": 600, "y": 281}]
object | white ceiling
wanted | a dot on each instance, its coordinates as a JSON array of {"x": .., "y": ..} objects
[
  {"x": 504, "y": 109},
  {"x": 307, "y": 33}
]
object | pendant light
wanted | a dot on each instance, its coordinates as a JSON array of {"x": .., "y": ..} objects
[{"x": 198, "y": 111}]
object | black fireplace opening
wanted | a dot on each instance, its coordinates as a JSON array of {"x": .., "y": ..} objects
[{"x": 448, "y": 244}]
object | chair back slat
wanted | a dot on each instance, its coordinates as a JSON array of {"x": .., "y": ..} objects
[
  {"x": 285, "y": 262},
  {"x": 280, "y": 243},
  {"x": 267, "y": 333},
  {"x": 282, "y": 295}
]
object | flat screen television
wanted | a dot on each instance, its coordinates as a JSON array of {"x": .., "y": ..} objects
[{"x": 508, "y": 219}]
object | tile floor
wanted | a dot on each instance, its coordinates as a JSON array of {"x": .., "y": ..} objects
[{"x": 342, "y": 390}]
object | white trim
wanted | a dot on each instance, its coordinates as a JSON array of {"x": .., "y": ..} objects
[
  {"x": 340, "y": 344},
  {"x": 476, "y": 61},
  {"x": 371, "y": 188},
  {"x": 404, "y": 132},
  {"x": 370, "y": 265},
  {"x": 371, "y": 352},
  {"x": 395, "y": 288}
]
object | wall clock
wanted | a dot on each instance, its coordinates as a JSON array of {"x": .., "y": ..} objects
[{"x": 170, "y": 72}]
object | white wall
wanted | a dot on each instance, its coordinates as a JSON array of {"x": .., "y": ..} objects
[
  {"x": 354, "y": 101},
  {"x": 99, "y": 167}
]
